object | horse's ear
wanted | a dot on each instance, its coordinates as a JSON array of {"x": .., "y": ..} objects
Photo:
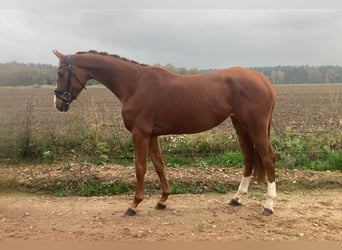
[{"x": 58, "y": 54}]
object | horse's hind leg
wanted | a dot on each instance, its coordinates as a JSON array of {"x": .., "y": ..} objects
[
  {"x": 158, "y": 163},
  {"x": 247, "y": 148},
  {"x": 264, "y": 149}
]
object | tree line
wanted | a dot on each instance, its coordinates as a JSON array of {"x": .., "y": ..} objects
[{"x": 20, "y": 74}]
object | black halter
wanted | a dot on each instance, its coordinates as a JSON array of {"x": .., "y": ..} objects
[{"x": 66, "y": 95}]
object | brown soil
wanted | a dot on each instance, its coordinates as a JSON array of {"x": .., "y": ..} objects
[{"x": 309, "y": 207}]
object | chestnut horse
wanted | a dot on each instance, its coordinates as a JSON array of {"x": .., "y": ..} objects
[{"x": 157, "y": 102}]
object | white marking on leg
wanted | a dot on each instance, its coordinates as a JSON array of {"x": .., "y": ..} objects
[
  {"x": 243, "y": 188},
  {"x": 244, "y": 184},
  {"x": 271, "y": 195},
  {"x": 54, "y": 99}
]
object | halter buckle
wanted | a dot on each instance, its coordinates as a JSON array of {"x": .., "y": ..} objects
[{"x": 67, "y": 96}]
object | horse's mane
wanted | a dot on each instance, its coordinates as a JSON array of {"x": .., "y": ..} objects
[{"x": 106, "y": 54}]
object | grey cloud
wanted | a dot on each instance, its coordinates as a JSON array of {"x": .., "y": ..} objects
[{"x": 190, "y": 38}]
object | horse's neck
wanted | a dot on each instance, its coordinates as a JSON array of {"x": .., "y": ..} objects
[{"x": 118, "y": 76}]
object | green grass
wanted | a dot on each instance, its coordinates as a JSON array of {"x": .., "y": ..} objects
[
  {"x": 317, "y": 152},
  {"x": 178, "y": 161},
  {"x": 198, "y": 187},
  {"x": 320, "y": 151},
  {"x": 182, "y": 188},
  {"x": 91, "y": 188},
  {"x": 84, "y": 141},
  {"x": 228, "y": 159}
]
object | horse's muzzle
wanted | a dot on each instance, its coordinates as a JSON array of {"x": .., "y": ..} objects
[{"x": 64, "y": 107}]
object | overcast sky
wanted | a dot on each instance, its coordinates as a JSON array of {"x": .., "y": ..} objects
[{"x": 203, "y": 38}]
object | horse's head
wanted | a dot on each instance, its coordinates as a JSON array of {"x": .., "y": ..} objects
[{"x": 70, "y": 81}]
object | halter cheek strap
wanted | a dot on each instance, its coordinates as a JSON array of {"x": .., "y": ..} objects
[{"x": 66, "y": 95}]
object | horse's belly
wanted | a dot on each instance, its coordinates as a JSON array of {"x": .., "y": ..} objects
[{"x": 189, "y": 125}]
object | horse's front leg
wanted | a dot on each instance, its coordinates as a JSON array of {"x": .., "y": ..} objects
[{"x": 140, "y": 144}]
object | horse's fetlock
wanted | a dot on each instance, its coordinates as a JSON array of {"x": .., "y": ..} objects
[{"x": 138, "y": 199}]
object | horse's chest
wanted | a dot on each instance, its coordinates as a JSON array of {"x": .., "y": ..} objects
[
  {"x": 127, "y": 117},
  {"x": 137, "y": 118}
]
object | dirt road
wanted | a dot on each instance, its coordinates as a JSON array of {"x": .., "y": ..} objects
[
  {"x": 314, "y": 215},
  {"x": 309, "y": 207}
]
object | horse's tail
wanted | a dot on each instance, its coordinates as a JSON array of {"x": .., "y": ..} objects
[
  {"x": 270, "y": 121},
  {"x": 259, "y": 170}
]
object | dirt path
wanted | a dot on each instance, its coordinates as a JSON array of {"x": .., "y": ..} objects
[
  {"x": 309, "y": 207},
  {"x": 313, "y": 215}
]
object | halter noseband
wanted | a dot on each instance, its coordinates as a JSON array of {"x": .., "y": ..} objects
[{"x": 66, "y": 95}]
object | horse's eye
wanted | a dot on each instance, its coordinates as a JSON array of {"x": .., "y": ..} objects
[{"x": 60, "y": 73}]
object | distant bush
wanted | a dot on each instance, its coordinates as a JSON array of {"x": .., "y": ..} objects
[{"x": 319, "y": 151}]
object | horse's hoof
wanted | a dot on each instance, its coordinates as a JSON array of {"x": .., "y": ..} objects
[
  {"x": 160, "y": 206},
  {"x": 130, "y": 212},
  {"x": 234, "y": 203},
  {"x": 267, "y": 212}
]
